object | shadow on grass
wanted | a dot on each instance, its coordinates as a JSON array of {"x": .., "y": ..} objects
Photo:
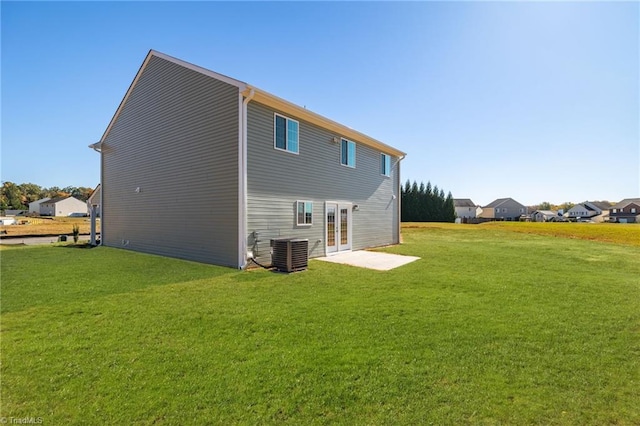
[
  {"x": 45, "y": 276},
  {"x": 77, "y": 246}
]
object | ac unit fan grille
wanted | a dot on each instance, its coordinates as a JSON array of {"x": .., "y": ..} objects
[{"x": 290, "y": 254}]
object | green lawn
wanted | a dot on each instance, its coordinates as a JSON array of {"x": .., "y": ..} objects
[{"x": 491, "y": 327}]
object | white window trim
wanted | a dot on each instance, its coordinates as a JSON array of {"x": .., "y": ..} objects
[
  {"x": 388, "y": 174},
  {"x": 304, "y": 204},
  {"x": 354, "y": 152},
  {"x": 275, "y": 114}
]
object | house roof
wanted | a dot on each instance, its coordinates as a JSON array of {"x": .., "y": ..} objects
[
  {"x": 546, "y": 212},
  {"x": 622, "y": 204},
  {"x": 58, "y": 199},
  {"x": 463, "y": 202},
  {"x": 95, "y": 193},
  {"x": 600, "y": 204},
  {"x": 40, "y": 201},
  {"x": 499, "y": 202},
  {"x": 262, "y": 97}
]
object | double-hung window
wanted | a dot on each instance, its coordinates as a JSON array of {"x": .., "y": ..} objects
[
  {"x": 385, "y": 164},
  {"x": 348, "y": 157},
  {"x": 285, "y": 134},
  {"x": 304, "y": 213}
]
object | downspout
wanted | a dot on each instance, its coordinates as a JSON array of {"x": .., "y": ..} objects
[
  {"x": 242, "y": 180},
  {"x": 400, "y": 201},
  {"x": 97, "y": 147}
]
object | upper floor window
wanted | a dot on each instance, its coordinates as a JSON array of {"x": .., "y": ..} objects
[
  {"x": 385, "y": 163},
  {"x": 285, "y": 134},
  {"x": 613, "y": 211},
  {"x": 305, "y": 213},
  {"x": 348, "y": 157},
  {"x": 633, "y": 210}
]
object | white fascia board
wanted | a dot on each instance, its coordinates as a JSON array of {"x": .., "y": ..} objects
[
  {"x": 341, "y": 130},
  {"x": 232, "y": 81}
]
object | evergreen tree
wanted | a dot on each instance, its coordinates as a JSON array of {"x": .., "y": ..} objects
[{"x": 424, "y": 203}]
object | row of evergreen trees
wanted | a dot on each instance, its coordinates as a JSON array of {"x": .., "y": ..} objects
[{"x": 426, "y": 204}]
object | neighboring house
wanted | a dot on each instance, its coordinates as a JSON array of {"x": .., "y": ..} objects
[
  {"x": 626, "y": 211},
  {"x": 257, "y": 167},
  {"x": 465, "y": 208},
  {"x": 503, "y": 209},
  {"x": 34, "y": 206},
  {"x": 593, "y": 210},
  {"x": 63, "y": 206},
  {"x": 545, "y": 216},
  {"x": 95, "y": 200}
]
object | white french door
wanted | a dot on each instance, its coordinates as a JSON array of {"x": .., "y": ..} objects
[{"x": 338, "y": 229}]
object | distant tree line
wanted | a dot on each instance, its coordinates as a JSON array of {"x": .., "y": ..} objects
[
  {"x": 18, "y": 197},
  {"x": 423, "y": 203}
]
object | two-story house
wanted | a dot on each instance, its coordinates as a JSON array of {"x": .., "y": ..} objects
[
  {"x": 465, "y": 208},
  {"x": 248, "y": 165},
  {"x": 626, "y": 211},
  {"x": 503, "y": 209}
]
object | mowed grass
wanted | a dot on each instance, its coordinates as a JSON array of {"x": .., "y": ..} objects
[
  {"x": 489, "y": 327},
  {"x": 623, "y": 233}
]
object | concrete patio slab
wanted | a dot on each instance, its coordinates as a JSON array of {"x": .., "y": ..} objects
[{"x": 370, "y": 259}]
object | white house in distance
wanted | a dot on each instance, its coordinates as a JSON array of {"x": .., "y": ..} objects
[
  {"x": 6, "y": 220},
  {"x": 465, "y": 208},
  {"x": 34, "y": 206},
  {"x": 594, "y": 210},
  {"x": 63, "y": 206}
]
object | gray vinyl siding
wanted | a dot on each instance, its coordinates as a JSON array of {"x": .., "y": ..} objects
[
  {"x": 176, "y": 139},
  {"x": 277, "y": 179}
]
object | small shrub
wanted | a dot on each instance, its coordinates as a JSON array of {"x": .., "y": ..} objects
[{"x": 76, "y": 233}]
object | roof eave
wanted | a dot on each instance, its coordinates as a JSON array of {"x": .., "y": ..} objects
[{"x": 287, "y": 107}]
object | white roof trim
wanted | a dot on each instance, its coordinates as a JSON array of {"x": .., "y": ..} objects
[
  {"x": 232, "y": 81},
  {"x": 321, "y": 121}
]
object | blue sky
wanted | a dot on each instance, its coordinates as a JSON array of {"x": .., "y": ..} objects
[{"x": 538, "y": 101}]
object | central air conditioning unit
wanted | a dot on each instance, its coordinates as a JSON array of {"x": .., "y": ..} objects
[{"x": 290, "y": 254}]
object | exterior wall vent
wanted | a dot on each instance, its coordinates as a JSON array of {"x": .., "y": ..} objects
[{"x": 290, "y": 254}]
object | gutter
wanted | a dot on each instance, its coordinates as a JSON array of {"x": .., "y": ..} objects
[
  {"x": 244, "y": 97},
  {"x": 97, "y": 147},
  {"x": 400, "y": 158}
]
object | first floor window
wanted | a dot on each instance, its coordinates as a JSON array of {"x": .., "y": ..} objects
[
  {"x": 385, "y": 163},
  {"x": 285, "y": 134},
  {"x": 348, "y": 157},
  {"x": 305, "y": 212}
]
